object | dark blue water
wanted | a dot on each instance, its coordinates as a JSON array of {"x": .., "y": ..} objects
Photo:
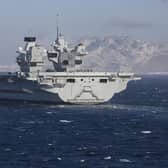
[{"x": 129, "y": 132}]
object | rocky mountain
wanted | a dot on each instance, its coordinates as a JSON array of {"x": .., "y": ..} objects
[{"x": 122, "y": 53}]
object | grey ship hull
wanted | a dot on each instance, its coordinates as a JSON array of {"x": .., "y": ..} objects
[
  {"x": 85, "y": 89},
  {"x": 19, "y": 89}
]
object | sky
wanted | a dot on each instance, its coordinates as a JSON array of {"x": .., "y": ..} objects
[{"x": 140, "y": 19}]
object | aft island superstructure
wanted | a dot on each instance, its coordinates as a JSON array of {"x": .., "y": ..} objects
[{"x": 65, "y": 82}]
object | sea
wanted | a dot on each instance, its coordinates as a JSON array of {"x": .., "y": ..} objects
[{"x": 130, "y": 131}]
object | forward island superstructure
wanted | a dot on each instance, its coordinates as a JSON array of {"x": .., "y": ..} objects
[{"x": 65, "y": 82}]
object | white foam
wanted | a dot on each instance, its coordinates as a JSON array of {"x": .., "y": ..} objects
[
  {"x": 154, "y": 112},
  {"x": 61, "y": 106},
  {"x": 29, "y": 122},
  {"x": 65, "y": 121},
  {"x": 22, "y": 153},
  {"x": 107, "y": 158},
  {"x": 49, "y": 112},
  {"x": 148, "y": 152},
  {"x": 58, "y": 158},
  {"x": 125, "y": 161},
  {"x": 82, "y": 161},
  {"x": 8, "y": 149},
  {"x": 146, "y": 132}
]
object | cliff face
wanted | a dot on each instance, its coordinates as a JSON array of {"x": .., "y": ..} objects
[
  {"x": 116, "y": 53},
  {"x": 119, "y": 53}
]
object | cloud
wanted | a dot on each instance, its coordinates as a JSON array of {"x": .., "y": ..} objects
[
  {"x": 129, "y": 24},
  {"x": 164, "y": 1}
]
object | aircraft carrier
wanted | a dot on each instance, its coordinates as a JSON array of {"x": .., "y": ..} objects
[{"x": 64, "y": 82}]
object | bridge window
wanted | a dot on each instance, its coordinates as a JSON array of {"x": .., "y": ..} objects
[
  {"x": 103, "y": 80},
  {"x": 52, "y": 55},
  {"x": 30, "y": 39},
  {"x": 78, "y": 62},
  {"x": 71, "y": 80},
  {"x": 33, "y": 64},
  {"x": 65, "y": 62}
]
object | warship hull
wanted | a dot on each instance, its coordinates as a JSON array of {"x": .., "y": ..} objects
[
  {"x": 16, "y": 89},
  {"x": 63, "y": 87}
]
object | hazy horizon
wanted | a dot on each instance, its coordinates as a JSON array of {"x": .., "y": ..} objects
[{"x": 139, "y": 19}]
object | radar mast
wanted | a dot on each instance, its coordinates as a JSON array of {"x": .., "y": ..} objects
[{"x": 57, "y": 21}]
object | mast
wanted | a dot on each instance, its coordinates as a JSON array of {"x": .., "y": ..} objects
[{"x": 57, "y": 39}]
